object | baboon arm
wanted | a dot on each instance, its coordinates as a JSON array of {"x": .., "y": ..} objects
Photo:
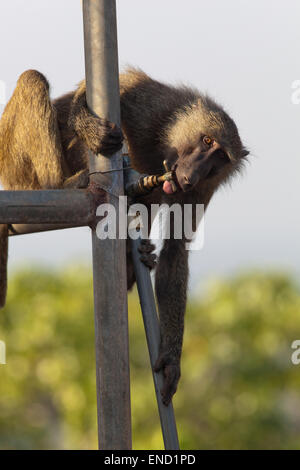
[{"x": 171, "y": 286}]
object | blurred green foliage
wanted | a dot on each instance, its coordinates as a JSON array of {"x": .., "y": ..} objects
[{"x": 239, "y": 388}]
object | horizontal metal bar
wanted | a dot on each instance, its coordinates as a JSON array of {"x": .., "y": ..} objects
[
  {"x": 67, "y": 206},
  {"x": 24, "y": 229}
]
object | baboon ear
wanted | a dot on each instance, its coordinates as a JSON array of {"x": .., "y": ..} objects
[{"x": 244, "y": 153}]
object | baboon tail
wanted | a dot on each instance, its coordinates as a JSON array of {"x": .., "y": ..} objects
[{"x": 3, "y": 263}]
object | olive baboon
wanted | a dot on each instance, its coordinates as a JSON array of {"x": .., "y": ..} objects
[{"x": 44, "y": 144}]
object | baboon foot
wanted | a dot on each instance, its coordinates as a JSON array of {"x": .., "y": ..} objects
[{"x": 147, "y": 257}]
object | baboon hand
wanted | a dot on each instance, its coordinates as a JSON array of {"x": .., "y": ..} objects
[
  {"x": 147, "y": 257},
  {"x": 111, "y": 139},
  {"x": 171, "y": 370},
  {"x": 79, "y": 180},
  {"x": 100, "y": 135}
]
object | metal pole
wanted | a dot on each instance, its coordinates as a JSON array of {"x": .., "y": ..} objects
[
  {"x": 68, "y": 206},
  {"x": 143, "y": 280},
  {"x": 109, "y": 256},
  {"x": 25, "y": 229}
]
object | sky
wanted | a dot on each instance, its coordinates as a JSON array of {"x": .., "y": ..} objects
[{"x": 245, "y": 54}]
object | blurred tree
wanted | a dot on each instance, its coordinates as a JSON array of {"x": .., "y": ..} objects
[{"x": 239, "y": 389}]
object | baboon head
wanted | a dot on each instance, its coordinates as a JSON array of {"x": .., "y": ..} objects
[{"x": 205, "y": 144}]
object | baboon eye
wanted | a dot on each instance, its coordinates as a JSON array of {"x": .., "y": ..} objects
[{"x": 207, "y": 140}]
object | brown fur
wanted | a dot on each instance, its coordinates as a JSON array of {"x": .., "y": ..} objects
[{"x": 43, "y": 144}]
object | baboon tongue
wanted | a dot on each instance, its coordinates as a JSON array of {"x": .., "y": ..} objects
[{"x": 167, "y": 187}]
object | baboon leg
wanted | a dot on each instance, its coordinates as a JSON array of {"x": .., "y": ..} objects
[
  {"x": 170, "y": 287},
  {"x": 33, "y": 157}
]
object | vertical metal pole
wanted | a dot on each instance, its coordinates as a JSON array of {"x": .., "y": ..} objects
[{"x": 109, "y": 256}]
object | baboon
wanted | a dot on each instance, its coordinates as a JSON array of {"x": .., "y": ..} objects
[{"x": 45, "y": 144}]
